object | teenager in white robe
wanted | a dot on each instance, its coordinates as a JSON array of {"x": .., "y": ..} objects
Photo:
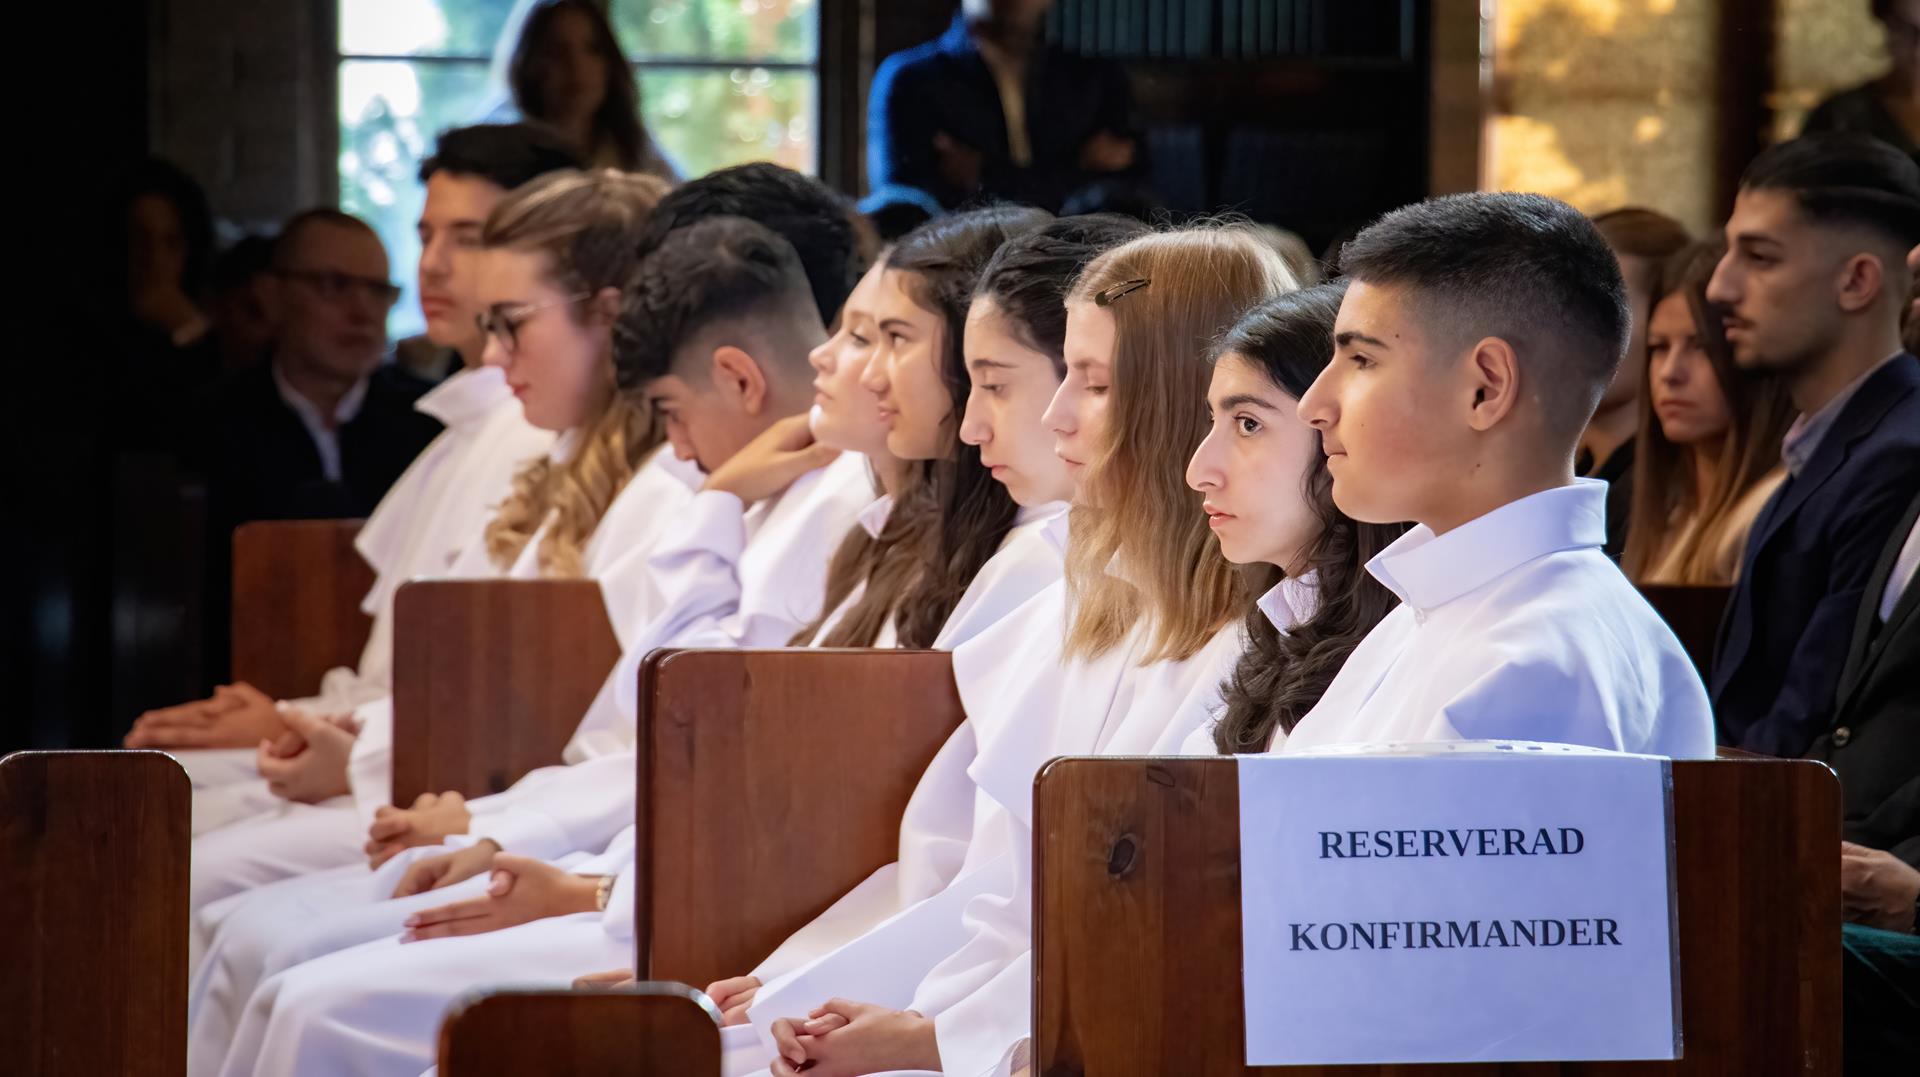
[
  {"x": 1258, "y": 679},
  {"x": 420, "y": 980},
  {"x": 789, "y": 202},
  {"x": 1145, "y": 584},
  {"x": 778, "y": 576},
  {"x": 557, "y": 251},
  {"x": 436, "y": 507},
  {"x": 1512, "y": 623}
]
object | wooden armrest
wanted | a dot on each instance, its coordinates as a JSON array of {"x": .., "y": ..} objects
[
  {"x": 93, "y": 854},
  {"x": 772, "y": 783},
  {"x": 491, "y": 678},
  {"x": 649, "y": 1030},
  {"x": 297, "y": 589}
]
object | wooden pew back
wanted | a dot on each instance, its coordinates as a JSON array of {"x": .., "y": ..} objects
[
  {"x": 772, "y": 783},
  {"x": 651, "y": 1030},
  {"x": 490, "y": 679},
  {"x": 1137, "y": 922},
  {"x": 93, "y": 854},
  {"x": 297, "y": 589},
  {"x": 1694, "y": 614}
]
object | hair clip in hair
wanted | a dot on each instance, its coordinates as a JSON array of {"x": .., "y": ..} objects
[{"x": 1105, "y": 296}]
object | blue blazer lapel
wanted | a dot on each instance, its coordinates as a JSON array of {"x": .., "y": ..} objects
[{"x": 1861, "y": 418}]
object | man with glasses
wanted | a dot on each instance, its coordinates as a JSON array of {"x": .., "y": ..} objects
[
  {"x": 433, "y": 512},
  {"x": 325, "y": 426}
]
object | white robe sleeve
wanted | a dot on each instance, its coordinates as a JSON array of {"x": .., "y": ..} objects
[
  {"x": 557, "y": 810},
  {"x": 370, "y": 765}
]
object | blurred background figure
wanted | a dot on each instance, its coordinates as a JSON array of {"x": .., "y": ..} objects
[
  {"x": 166, "y": 239},
  {"x": 1888, "y": 108},
  {"x": 989, "y": 110},
  {"x": 568, "y": 71},
  {"x": 239, "y": 310}
]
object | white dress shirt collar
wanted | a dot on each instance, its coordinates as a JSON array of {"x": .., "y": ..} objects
[
  {"x": 873, "y": 518},
  {"x": 466, "y": 396},
  {"x": 1291, "y": 602},
  {"x": 1427, "y": 570}
]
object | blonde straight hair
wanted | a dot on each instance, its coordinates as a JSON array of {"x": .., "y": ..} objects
[
  {"x": 587, "y": 226},
  {"x": 1137, "y": 507}
]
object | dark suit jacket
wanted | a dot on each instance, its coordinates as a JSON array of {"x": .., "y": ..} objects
[
  {"x": 259, "y": 463},
  {"x": 1785, "y": 637},
  {"x": 944, "y": 86},
  {"x": 1875, "y": 744}
]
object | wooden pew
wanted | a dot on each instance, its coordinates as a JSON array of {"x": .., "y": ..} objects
[
  {"x": 297, "y": 589},
  {"x": 740, "y": 751},
  {"x": 1694, "y": 614},
  {"x": 93, "y": 854},
  {"x": 1124, "y": 843},
  {"x": 650, "y": 1030},
  {"x": 776, "y": 778},
  {"x": 490, "y": 679}
]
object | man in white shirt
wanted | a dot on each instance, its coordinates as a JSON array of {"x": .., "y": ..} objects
[{"x": 1478, "y": 334}]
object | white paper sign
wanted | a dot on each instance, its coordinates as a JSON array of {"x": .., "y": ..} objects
[{"x": 1457, "y": 904}]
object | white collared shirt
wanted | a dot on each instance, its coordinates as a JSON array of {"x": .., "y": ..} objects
[
  {"x": 1901, "y": 578},
  {"x": 325, "y": 434},
  {"x": 1514, "y": 626},
  {"x": 1286, "y": 605}
]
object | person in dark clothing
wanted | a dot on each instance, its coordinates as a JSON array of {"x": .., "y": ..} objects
[
  {"x": 1813, "y": 287},
  {"x": 157, "y": 353},
  {"x": 1888, "y": 108},
  {"x": 989, "y": 111},
  {"x": 1874, "y": 748},
  {"x": 322, "y": 428},
  {"x": 325, "y": 425}
]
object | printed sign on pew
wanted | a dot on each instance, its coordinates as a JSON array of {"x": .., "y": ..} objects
[{"x": 1474, "y": 902}]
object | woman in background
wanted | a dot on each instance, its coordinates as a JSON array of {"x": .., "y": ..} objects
[
  {"x": 568, "y": 71},
  {"x": 1708, "y": 455}
]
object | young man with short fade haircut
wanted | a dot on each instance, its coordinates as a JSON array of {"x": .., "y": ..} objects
[
  {"x": 1473, "y": 344},
  {"x": 1813, "y": 287},
  {"x": 817, "y": 221}
]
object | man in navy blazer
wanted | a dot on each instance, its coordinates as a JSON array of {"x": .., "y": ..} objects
[{"x": 1813, "y": 286}]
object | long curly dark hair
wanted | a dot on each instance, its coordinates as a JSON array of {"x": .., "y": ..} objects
[{"x": 1280, "y": 676}]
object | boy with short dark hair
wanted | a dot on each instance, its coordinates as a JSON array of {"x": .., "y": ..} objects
[{"x": 1473, "y": 344}]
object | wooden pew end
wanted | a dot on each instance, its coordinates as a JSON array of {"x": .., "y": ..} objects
[{"x": 647, "y": 1030}]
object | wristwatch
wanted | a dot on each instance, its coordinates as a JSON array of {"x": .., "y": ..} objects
[{"x": 603, "y": 892}]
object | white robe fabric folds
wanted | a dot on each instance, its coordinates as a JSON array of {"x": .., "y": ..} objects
[
  {"x": 374, "y": 1008},
  {"x": 231, "y": 866}
]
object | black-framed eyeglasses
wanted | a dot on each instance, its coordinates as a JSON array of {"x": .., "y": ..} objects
[
  {"x": 333, "y": 286},
  {"x": 502, "y": 321}
]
